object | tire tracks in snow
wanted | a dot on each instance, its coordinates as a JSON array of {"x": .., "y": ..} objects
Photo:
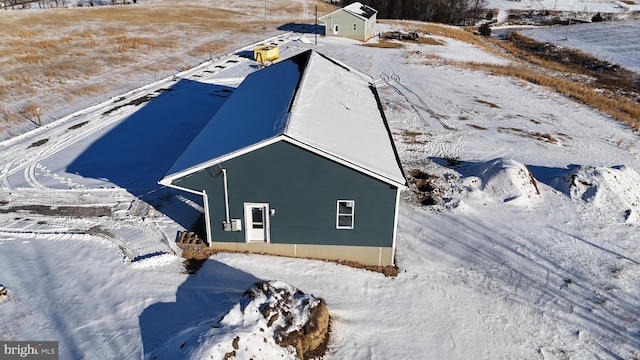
[
  {"x": 24, "y": 154},
  {"x": 391, "y": 80}
]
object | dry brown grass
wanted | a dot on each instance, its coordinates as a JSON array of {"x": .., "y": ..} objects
[
  {"x": 429, "y": 41},
  {"x": 537, "y": 69},
  {"x": 569, "y": 60},
  {"x": 619, "y": 107},
  {"x": 489, "y": 104},
  {"x": 52, "y": 50},
  {"x": 384, "y": 44},
  {"x": 8, "y": 116},
  {"x": 210, "y": 47},
  {"x": 457, "y": 33},
  {"x": 87, "y": 90}
]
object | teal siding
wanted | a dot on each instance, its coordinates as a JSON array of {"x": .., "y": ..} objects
[{"x": 303, "y": 188}]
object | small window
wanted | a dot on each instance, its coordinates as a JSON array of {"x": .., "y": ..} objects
[
  {"x": 344, "y": 218},
  {"x": 355, "y": 27},
  {"x": 257, "y": 217},
  {"x": 336, "y": 28}
]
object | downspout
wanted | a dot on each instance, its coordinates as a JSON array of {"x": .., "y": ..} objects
[
  {"x": 226, "y": 196},
  {"x": 207, "y": 217},
  {"x": 395, "y": 228}
]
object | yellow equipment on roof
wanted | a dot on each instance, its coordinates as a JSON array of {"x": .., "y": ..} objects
[{"x": 265, "y": 53}]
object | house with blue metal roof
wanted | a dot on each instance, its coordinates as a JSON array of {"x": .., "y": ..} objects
[{"x": 300, "y": 162}]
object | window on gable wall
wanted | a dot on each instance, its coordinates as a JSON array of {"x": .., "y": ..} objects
[
  {"x": 355, "y": 27},
  {"x": 345, "y": 214}
]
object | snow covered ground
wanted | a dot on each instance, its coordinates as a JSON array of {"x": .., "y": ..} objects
[
  {"x": 616, "y": 42},
  {"x": 531, "y": 253},
  {"x": 594, "y": 6},
  {"x": 584, "y": 9}
]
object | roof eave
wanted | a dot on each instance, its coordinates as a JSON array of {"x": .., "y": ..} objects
[{"x": 167, "y": 180}]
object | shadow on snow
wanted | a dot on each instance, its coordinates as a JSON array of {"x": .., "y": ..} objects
[
  {"x": 303, "y": 28},
  {"x": 528, "y": 270},
  {"x": 137, "y": 152},
  {"x": 204, "y": 297},
  {"x": 549, "y": 176}
]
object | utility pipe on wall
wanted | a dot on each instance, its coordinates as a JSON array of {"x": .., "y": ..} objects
[{"x": 226, "y": 195}]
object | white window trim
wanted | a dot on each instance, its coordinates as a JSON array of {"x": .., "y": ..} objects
[{"x": 353, "y": 214}]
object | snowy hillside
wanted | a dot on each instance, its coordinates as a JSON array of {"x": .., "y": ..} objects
[
  {"x": 530, "y": 251},
  {"x": 618, "y": 43},
  {"x": 583, "y": 9}
]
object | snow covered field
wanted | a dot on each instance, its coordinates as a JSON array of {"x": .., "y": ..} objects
[
  {"x": 532, "y": 252},
  {"x": 616, "y": 42},
  {"x": 593, "y": 6}
]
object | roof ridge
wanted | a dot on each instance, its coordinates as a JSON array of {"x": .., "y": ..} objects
[{"x": 303, "y": 72}]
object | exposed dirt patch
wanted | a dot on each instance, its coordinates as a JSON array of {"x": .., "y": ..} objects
[
  {"x": 478, "y": 127},
  {"x": 79, "y": 125},
  {"x": 531, "y": 134},
  {"x": 310, "y": 340},
  {"x": 195, "y": 255},
  {"x": 424, "y": 187},
  {"x": 385, "y": 44},
  {"x": 134, "y": 102},
  {"x": 388, "y": 271},
  {"x": 489, "y": 104},
  {"x": 39, "y": 143},
  {"x": 71, "y": 211},
  {"x": 97, "y": 230},
  {"x": 413, "y": 137}
]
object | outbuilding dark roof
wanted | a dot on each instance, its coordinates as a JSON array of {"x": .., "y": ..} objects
[{"x": 361, "y": 10}]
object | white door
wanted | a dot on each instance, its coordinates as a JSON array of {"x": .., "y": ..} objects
[{"x": 256, "y": 218}]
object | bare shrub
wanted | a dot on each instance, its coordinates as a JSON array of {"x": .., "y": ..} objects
[{"x": 32, "y": 111}]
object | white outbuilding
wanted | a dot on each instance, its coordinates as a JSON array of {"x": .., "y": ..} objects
[{"x": 356, "y": 21}]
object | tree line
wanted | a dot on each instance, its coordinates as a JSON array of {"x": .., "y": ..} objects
[{"x": 455, "y": 12}]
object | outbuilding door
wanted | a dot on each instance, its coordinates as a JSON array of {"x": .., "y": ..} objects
[{"x": 256, "y": 218}]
